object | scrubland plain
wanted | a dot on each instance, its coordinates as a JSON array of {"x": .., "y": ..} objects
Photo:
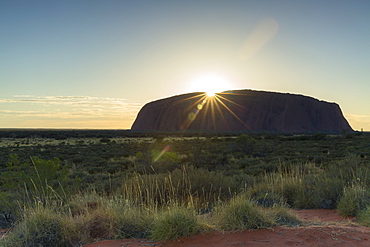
[{"x": 71, "y": 188}]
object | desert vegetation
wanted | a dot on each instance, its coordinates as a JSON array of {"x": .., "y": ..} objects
[{"x": 70, "y": 188}]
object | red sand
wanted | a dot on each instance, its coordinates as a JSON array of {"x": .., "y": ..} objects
[{"x": 335, "y": 231}]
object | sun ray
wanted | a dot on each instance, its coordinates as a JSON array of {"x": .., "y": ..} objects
[
  {"x": 219, "y": 110},
  {"x": 194, "y": 109},
  {"x": 213, "y": 115},
  {"x": 232, "y": 102},
  {"x": 203, "y": 106},
  {"x": 236, "y": 116},
  {"x": 208, "y": 104},
  {"x": 193, "y": 97},
  {"x": 210, "y": 107}
]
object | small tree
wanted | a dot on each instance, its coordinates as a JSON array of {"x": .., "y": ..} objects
[{"x": 245, "y": 143}]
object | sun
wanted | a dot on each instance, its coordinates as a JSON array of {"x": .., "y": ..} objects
[
  {"x": 210, "y": 94},
  {"x": 210, "y": 84}
]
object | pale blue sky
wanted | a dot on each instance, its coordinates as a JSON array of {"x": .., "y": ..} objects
[{"x": 93, "y": 64}]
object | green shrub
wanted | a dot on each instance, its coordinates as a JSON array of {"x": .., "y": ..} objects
[
  {"x": 174, "y": 223},
  {"x": 355, "y": 198},
  {"x": 104, "y": 140},
  {"x": 83, "y": 203},
  {"x": 326, "y": 192},
  {"x": 289, "y": 186},
  {"x": 39, "y": 227},
  {"x": 284, "y": 216},
  {"x": 240, "y": 214},
  {"x": 245, "y": 143},
  {"x": 97, "y": 224},
  {"x": 9, "y": 202},
  {"x": 266, "y": 197},
  {"x": 349, "y": 168},
  {"x": 132, "y": 221},
  {"x": 36, "y": 180},
  {"x": 194, "y": 186},
  {"x": 37, "y": 173},
  {"x": 364, "y": 217}
]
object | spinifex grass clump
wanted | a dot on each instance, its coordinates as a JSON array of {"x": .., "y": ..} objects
[
  {"x": 96, "y": 224},
  {"x": 277, "y": 188},
  {"x": 175, "y": 222},
  {"x": 267, "y": 199},
  {"x": 321, "y": 191},
  {"x": 39, "y": 227},
  {"x": 355, "y": 198},
  {"x": 364, "y": 217},
  {"x": 282, "y": 216},
  {"x": 301, "y": 186},
  {"x": 134, "y": 222},
  {"x": 192, "y": 186},
  {"x": 85, "y": 218},
  {"x": 104, "y": 217},
  {"x": 240, "y": 213}
]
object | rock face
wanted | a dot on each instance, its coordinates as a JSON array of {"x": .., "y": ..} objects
[{"x": 241, "y": 110}]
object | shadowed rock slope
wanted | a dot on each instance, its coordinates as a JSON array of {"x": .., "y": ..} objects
[{"x": 241, "y": 110}]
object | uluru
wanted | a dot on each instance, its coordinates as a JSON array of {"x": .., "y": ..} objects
[{"x": 241, "y": 110}]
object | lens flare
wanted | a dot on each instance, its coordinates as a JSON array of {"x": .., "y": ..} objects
[{"x": 258, "y": 39}]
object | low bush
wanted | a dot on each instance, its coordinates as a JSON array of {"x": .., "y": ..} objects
[
  {"x": 283, "y": 216},
  {"x": 265, "y": 196},
  {"x": 39, "y": 227},
  {"x": 97, "y": 224},
  {"x": 241, "y": 213},
  {"x": 364, "y": 217},
  {"x": 355, "y": 198},
  {"x": 288, "y": 186},
  {"x": 194, "y": 186},
  {"x": 97, "y": 217},
  {"x": 173, "y": 223},
  {"x": 132, "y": 221},
  {"x": 327, "y": 192}
]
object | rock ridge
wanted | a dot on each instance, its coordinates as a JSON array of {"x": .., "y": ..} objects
[{"x": 241, "y": 110}]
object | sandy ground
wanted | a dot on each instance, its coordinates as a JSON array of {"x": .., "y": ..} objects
[{"x": 325, "y": 228}]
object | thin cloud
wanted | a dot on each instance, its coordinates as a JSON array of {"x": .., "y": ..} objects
[
  {"x": 19, "y": 109},
  {"x": 69, "y": 100}
]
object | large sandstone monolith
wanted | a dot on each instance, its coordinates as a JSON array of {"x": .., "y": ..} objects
[{"x": 241, "y": 110}]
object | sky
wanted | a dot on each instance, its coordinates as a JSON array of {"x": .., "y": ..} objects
[{"x": 93, "y": 64}]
